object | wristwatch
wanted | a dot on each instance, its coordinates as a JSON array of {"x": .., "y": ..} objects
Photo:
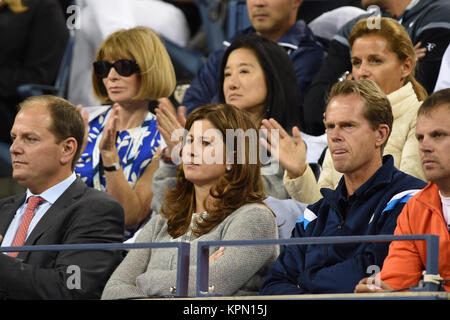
[
  {"x": 165, "y": 158},
  {"x": 114, "y": 167}
]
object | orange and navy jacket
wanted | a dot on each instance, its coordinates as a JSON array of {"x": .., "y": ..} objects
[{"x": 406, "y": 260}]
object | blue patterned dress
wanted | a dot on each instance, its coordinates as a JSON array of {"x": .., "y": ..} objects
[{"x": 136, "y": 148}]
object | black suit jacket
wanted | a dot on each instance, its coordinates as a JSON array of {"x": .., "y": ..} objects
[{"x": 80, "y": 215}]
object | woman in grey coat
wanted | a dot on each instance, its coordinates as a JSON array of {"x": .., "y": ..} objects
[{"x": 212, "y": 200}]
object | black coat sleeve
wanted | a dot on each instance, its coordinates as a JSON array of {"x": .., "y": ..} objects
[
  {"x": 336, "y": 63},
  {"x": 436, "y": 41},
  {"x": 35, "y": 40}
]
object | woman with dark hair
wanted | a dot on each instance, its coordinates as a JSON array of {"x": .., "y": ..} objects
[
  {"x": 258, "y": 76},
  {"x": 219, "y": 200}
]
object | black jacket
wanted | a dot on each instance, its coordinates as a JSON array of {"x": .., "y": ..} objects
[{"x": 80, "y": 215}]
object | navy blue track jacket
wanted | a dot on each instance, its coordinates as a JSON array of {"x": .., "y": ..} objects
[{"x": 336, "y": 268}]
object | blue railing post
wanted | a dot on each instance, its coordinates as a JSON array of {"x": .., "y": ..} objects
[
  {"x": 432, "y": 263},
  {"x": 183, "y": 269},
  {"x": 202, "y": 270},
  {"x": 202, "y": 287},
  {"x": 183, "y": 255}
]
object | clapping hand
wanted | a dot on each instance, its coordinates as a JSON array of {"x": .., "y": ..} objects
[
  {"x": 289, "y": 151},
  {"x": 107, "y": 144},
  {"x": 170, "y": 124}
]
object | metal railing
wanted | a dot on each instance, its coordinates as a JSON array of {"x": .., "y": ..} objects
[
  {"x": 183, "y": 255},
  {"x": 202, "y": 288}
]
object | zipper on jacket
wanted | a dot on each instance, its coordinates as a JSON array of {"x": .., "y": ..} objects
[{"x": 341, "y": 224}]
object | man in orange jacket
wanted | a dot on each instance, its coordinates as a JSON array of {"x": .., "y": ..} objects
[{"x": 428, "y": 212}]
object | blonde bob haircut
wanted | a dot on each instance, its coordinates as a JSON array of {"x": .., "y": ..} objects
[
  {"x": 15, "y": 6},
  {"x": 156, "y": 72},
  {"x": 399, "y": 43}
]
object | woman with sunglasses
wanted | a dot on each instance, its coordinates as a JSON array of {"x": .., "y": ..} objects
[{"x": 131, "y": 68}]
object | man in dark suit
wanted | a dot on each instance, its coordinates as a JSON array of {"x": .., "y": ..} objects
[{"x": 47, "y": 137}]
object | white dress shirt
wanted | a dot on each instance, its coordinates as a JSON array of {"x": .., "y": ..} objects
[
  {"x": 445, "y": 208},
  {"x": 50, "y": 196}
]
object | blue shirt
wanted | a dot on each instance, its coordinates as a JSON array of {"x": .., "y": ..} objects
[
  {"x": 50, "y": 196},
  {"x": 135, "y": 147}
]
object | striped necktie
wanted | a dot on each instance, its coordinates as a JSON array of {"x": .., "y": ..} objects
[{"x": 21, "y": 235}]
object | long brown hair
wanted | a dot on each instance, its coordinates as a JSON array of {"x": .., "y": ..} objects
[
  {"x": 399, "y": 42},
  {"x": 238, "y": 186}
]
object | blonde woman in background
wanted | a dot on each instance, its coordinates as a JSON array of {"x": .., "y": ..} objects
[{"x": 386, "y": 56}]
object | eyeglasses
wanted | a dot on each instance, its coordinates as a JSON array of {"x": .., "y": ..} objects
[{"x": 123, "y": 67}]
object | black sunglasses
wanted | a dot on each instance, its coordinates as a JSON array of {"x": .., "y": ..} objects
[{"x": 123, "y": 67}]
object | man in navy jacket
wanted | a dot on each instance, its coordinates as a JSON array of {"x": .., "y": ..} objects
[
  {"x": 367, "y": 201},
  {"x": 275, "y": 20}
]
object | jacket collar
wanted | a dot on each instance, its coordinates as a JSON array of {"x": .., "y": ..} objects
[
  {"x": 402, "y": 99},
  {"x": 72, "y": 194},
  {"x": 382, "y": 177},
  {"x": 9, "y": 209},
  {"x": 430, "y": 198},
  {"x": 297, "y": 35}
]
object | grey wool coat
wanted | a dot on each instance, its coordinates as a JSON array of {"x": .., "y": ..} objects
[{"x": 239, "y": 271}]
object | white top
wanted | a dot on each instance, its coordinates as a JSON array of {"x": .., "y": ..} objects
[
  {"x": 443, "y": 80},
  {"x": 445, "y": 208}
]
